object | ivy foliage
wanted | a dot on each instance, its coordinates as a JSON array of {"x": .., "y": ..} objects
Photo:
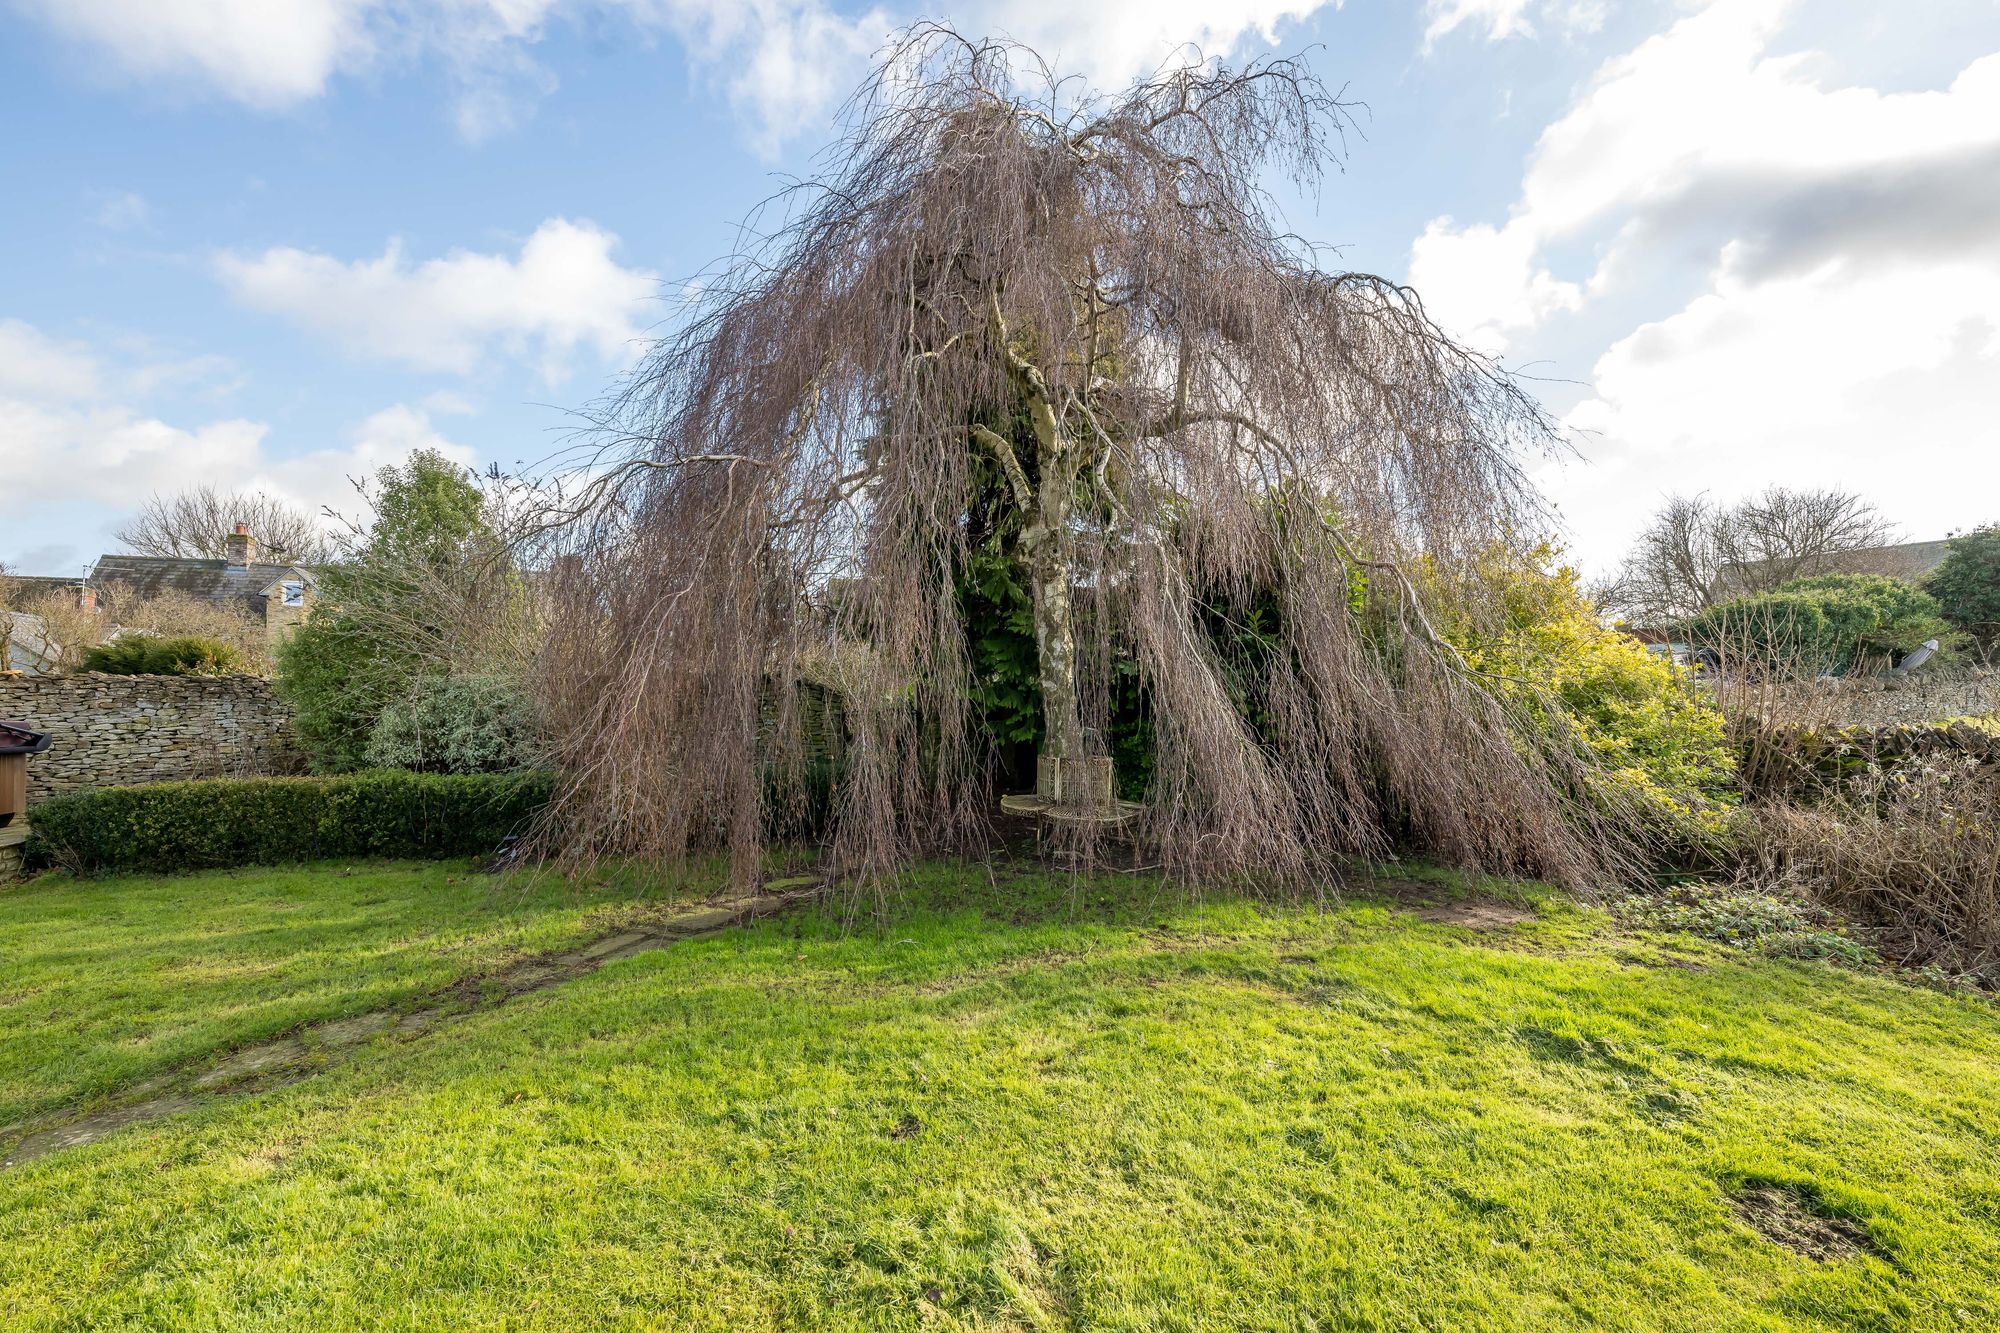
[{"x": 456, "y": 724}]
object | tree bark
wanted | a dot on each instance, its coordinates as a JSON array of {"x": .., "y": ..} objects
[{"x": 1051, "y": 550}]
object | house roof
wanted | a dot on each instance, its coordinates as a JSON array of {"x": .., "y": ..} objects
[
  {"x": 26, "y": 643},
  {"x": 1907, "y": 560},
  {"x": 21, "y": 587},
  {"x": 19, "y": 738},
  {"x": 210, "y": 580}
]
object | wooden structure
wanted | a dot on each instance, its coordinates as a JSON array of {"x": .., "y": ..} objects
[{"x": 17, "y": 742}]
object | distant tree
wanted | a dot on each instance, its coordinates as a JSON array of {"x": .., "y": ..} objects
[
  {"x": 1831, "y": 623},
  {"x": 1967, "y": 584},
  {"x": 195, "y": 524},
  {"x": 72, "y": 629},
  {"x": 1696, "y": 553},
  {"x": 427, "y": 589}
]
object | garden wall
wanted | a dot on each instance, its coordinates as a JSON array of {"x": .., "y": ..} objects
[
  {"x": 1882, "y": 701},
  {"x": 117, "y": 730}
]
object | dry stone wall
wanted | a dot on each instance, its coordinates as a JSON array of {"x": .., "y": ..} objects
[
  {"x": 111, "y": 731},
  {"x": 1887, "y": 701}
]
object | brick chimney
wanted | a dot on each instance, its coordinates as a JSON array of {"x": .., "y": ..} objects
[
  {"x": 242, "y": 547},
  {"x": 86, "y": 597}
]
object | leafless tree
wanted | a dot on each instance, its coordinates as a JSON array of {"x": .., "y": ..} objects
[
  {"x": 1088, "y": 299},
  {"x": 70, "y": 628},
  {"x": 1787, "y": 534},
  {"x": 195, "y": 524},
  {"x": 1696, "y": 552}
]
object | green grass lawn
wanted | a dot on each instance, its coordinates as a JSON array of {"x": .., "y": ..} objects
[
  {"x": 1034, "y": 1104},
  {"x": 106, "y": 981}
]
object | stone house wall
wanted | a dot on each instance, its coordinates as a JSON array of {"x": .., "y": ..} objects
[
  {"x": 280, "y": 620},
  {"x": 117, "y": 730}
]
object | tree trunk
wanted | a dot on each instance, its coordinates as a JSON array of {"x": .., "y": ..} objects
[
  {"x": 1064, "y": 775},
  {"x": 1051, "y": 564},
  {"x": 1055, "y": 638}
]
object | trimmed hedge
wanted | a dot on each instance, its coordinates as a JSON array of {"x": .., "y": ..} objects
[{"x": 268, "y": 821}]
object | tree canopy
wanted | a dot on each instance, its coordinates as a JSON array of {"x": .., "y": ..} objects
[
  {"x": 1696, "y": 552},
  {"x": 424, "y": 590},
  {"x": 195, "y": 523},
  {"x": 1967, "y": 583},
  {"x": 1081, "y": 316}
]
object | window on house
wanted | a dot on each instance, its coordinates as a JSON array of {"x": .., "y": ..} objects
[{"x": 295, "y": 593}]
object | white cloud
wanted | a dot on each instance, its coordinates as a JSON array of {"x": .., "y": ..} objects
[
  {"x": 269, "y": 54},
  {"x": 782, "y": 63},
  {"x": 112, "y": 455},
  {"x": 1825, "y": 256},
  {"x": 790, "y": 62},
  {"x": 1883, "y": 380},
  {"x": 1498, "y": 19},
  {"x": 273, "y": 55},
  {"x": 562, "y": 292},
  {"x": 325, "y": 478},
  {"x": 38, "y": 368},
  {"x": 1483, "y": 281},
  {"x": 122, "y": 211},
  {"x": 69, "y": 437},
  {"x": 1700, "y": 131},
  {"x": 1112, "y": 43}
]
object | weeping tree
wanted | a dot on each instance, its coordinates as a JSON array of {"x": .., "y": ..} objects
[{"x": 1083, "y": 311}]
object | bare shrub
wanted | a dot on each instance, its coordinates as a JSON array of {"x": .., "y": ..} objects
[
  {"x": 72, "y": 629},
  {"x": 1915, "y": 853},
  {"x": 1896, "y": 828},
  {"x": 170, "y": 613}
]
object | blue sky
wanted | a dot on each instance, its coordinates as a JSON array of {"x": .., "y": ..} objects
[{"x": 274, "y": 243}]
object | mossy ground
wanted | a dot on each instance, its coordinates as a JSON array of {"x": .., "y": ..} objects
[{"x": 1025, "y": 1101}]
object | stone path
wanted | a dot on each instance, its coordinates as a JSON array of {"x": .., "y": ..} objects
[{"x": 313, "y": 1049}]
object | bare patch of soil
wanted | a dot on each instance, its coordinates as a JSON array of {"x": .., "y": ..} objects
[
  {"x": 1476, "y": 915},
  {"x": 1801, "y": 1224},
  {"x": 1427, "y": 902}
]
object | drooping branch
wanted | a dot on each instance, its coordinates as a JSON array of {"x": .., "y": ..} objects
[{"x": 802, "y": 480}]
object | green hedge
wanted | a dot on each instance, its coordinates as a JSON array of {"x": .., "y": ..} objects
[{"x": 270, "y": 821}]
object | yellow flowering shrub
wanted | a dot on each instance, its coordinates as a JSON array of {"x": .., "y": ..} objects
[{"x": 1659, "y": 736}]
